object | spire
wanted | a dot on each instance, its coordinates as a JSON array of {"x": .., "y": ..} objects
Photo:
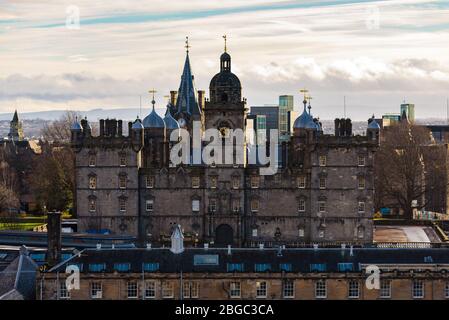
[
  {"x": 15, "y": 118},
  {"x": 187, "y": 101}
]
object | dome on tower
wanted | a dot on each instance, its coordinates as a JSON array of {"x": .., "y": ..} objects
[
  {"x": 137, "y": 125},
  {"x": 170, "y": 122},
  {"x": 153, "y": 120},
  {"x": 373, "y": 124},
  {"x": 304, "y": 121},
  {"x": 76, "y": 126}
]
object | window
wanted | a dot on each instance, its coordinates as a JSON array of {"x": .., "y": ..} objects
[
  {"x": 323, "y": 161},
  {"x": 301, "y": 232},
  {"x": 150, "y": 267},
  {"x": 302, "y": 205},
  {"x": 122, "y": 181},
  {"x": 232, "y": 267},
  {"x": 122, "y": 267},
  {"x": 122, "y": 204},
  {"x": 195, "y": 205},
  {"x": 212, "y": 205},
  {"x": 149, "y": 205},
  {"x": 92, "y": 204},
  {"x": 96, "y": 290},
  {"x": 150, "y": 290},
  {"x": 235, "y": 182},
  {"x": 322, "y": 183},
  {"x": 320, "y": 289},
  {"x": 97, "y": 267},
  {"x": 195, "y": 182},
  {"x": 254, "y": 232},
  {"x": 92, "y": 160},
  {"x": 286, "y": 267},
  {"x": 255, "y": 182},
  {"x": 167, "y": 290},
  {"x": 234, "y": 290},
  {"x": 236, "y": 205},
  {"x": 150, "y": 182},
  {"x": 345, "y": 266},
  {"x": 446, "y": 290},
  {"x": 353, "y": 289},
  {"x": 301, "y": 182},
  {"x": 361, "y": 161},
  {"x": 361, "y": 207},
  {"x": 385, "y": 289},
  {"x": 261, "y": 289},
  {"x": 92, "y": 182},
  {"x": 63, "y": 292},
  {"x": 321, "y": 206},
  {"x": 191, "y": 290},
  {"x": 205, "y": 260},
  {"x": 288, "y": 289},
  {"x": 361, "y": 182},
  {"x": 317, "y": 267},
  {"x": 360, "y": 232},
  {"x": 213, "y": 182},
  {"x": 262, "y": 267},
  {"x": 122, "y": 160},
  {"x": 254, "y": 205},
  {"x": 418, "y": 289},
  {"x": 132, "y": 290}
]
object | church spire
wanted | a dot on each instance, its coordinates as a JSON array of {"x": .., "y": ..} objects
[
  {"x": 15, "y": 128},
  {"x": 187, "y": 101}
]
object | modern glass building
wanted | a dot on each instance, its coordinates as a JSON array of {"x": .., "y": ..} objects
[{"x": 409, "y": 110}]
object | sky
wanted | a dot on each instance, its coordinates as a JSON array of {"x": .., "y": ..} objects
[{"x": 377, "y": 54}]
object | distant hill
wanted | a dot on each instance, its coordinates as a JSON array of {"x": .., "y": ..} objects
[{"x": 94, "y": 114}]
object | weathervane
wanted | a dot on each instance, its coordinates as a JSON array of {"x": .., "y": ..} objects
[
  {"x": 225, "y": 39},
  {"x": 152, "y": 91},
  {"x": 187, "y": 46}
]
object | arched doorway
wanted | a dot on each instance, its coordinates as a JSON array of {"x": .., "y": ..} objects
[{"x": 224, "y": 235}]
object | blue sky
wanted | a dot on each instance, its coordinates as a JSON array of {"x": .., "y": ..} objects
[{"x": 376, "y": 53}]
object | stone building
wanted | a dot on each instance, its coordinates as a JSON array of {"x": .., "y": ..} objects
[
  {"x": 249, "y": 273},
  {"x": 322, "y": 190}
]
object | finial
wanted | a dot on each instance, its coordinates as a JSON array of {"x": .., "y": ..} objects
[
  {"x": 304, "y": 92},
  {"x": 152, "y": 91},
  {"x": 187, "y": 46},
  {"x": 225, "y": 40}
]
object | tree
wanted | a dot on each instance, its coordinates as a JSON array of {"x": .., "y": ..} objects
[
  {"x": 51, "y": 184},
  {"x": 406, "y": 156}
]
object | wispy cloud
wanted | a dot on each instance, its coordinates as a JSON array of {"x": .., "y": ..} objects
[{"x": 375, "y": 52}]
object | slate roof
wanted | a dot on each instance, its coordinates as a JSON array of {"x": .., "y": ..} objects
[{"x": 300, "y": 259}]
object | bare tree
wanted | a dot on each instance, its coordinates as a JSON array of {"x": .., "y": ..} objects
[{"x": 401, "y": 167}]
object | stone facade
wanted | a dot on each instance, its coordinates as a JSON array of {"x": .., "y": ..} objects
[{"x": 322, "y": 191}]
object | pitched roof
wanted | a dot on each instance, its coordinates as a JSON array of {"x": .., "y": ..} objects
[{"x": 299, "y": 259}]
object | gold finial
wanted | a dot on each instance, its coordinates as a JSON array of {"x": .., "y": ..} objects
[
  {"x": 309, "y": 98},
  {"x": 225, "y": 40},
  {"x": 304, "y": 92},
  {"x": 152, "y": 91},
  {"x": 187, "y": 46}
]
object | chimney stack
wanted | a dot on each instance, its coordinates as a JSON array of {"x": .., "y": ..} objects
[
  {"x": 173, "y": 97},
  {"x": 201, "y": 96},
  {"x": 54, "y": 237}
]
